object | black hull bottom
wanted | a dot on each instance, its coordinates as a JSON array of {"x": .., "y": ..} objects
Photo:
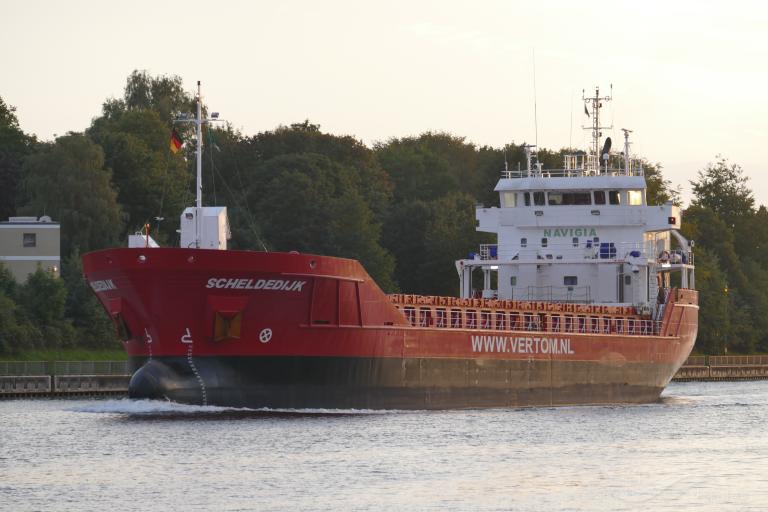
[{"x": 380, "y": 383}]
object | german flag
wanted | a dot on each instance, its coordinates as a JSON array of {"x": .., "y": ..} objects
[{"x": 176, "y": 141}]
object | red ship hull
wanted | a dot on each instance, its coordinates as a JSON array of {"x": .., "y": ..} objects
[{"x": 277, "y": 330}]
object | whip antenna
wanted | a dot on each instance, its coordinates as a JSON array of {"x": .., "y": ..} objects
[{"x": 535, "y": 110}]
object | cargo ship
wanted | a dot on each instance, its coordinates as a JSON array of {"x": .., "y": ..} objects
[{"x": 587, "y": 297}]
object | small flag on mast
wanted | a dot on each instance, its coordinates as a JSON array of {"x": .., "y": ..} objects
[
  {"x": 586, "y": 111},
  {"x": 176, "y": 141}
]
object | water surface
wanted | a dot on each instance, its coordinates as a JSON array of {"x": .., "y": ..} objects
[{"x": 704, "y": 446}]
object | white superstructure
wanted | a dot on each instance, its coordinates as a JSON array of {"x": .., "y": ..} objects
[{"x": 583, "y": 233}]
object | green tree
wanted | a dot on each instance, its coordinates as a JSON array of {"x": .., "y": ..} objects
[
  {"x": 429, "y": 166},
  {"x": 150, "y": 180},
  {"x": 312, "y": 204},
  {"x": 43, "y": 298},
  {"x": 15, "y": 145},
  {"x": 305, "y": 138},
  {"x": 67, "y": 180},
  {"x": 659, "y": 189},
  {"x": 714, "y": 318},
  {"x": 427, "y": 237},
  {"x": 162, "y": 94},
  {"x": 7, "y": 282},
  {"x": 93, "y": 327},
  {"x": 239, "y": 169},
  {"x": 722, "y": 187},
  {"x": 16, "y": 332}
]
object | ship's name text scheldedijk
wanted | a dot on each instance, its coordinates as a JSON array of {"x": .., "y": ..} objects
[{"x": 286, "y": 285}]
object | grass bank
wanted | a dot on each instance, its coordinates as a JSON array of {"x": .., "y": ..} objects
[{"x": 75, "y": 354}]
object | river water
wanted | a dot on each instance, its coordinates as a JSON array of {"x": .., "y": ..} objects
[{"x": 704, "y": 446}]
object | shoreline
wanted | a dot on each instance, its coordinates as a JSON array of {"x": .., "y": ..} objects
[{"x": 64, "y": 379}]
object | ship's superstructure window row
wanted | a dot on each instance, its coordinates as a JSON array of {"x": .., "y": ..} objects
[{"x": 572, "y": 198}]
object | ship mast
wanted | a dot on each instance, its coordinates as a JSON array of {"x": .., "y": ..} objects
[
  {"x": 595, "y": 104},
  {"x": 199, "y": 121},
  {"x": 199, "y": 127}
]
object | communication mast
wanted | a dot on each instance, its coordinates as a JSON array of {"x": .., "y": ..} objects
[
  {"x": 199, "y": 122},
  {"x": 595, "y": 103}
]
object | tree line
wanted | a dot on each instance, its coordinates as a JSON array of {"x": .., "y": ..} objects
[{"x": 403, "y": 207}]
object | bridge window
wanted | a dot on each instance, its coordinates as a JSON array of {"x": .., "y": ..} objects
[
  {"x": 508, "y": 199},
  {"x": 635, "y": 197},
  {"x": 538, "y": 198},
  {"x": 569, "y": 198},
  {"x": 543, "y": 242},
  {"x": 575, "y": 241},
  {"x": 523, "y": 242},
  {"x": 599, "y": 196},
  {"x": 613, "y": 197}
]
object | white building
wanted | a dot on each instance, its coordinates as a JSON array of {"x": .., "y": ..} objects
[{"x": 29, "y": 242}]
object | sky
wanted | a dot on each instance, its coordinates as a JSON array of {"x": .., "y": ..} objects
[{"x": 689, "y": 78}]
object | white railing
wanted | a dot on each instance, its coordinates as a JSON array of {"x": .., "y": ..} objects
[
  {"x": 575, "y": 294},
  {"x": 583, "y": 250},
  {"x": 494, "y": 320},
  {"x": 488, "y": 251},
  {"x": 582, "y": 165}
]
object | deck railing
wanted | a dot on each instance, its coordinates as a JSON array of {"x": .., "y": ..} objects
[{"x": 482, "y": 319}]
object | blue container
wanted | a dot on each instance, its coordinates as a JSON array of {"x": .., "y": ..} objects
[{"x": 493, "y": 249}]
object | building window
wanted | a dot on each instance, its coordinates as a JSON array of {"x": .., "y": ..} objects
[
  {"x": 538, "y": 198},
  {"x": 635, "y": 197},
  {"x": 599, "y": 196},
  {"x": 570, "y": 280},
  {"x": 543, "y": 242},
  {"x": 30, "y": 240},
  {"x": 613, "y": 197},
  {"x": 523, "y": 242}
]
